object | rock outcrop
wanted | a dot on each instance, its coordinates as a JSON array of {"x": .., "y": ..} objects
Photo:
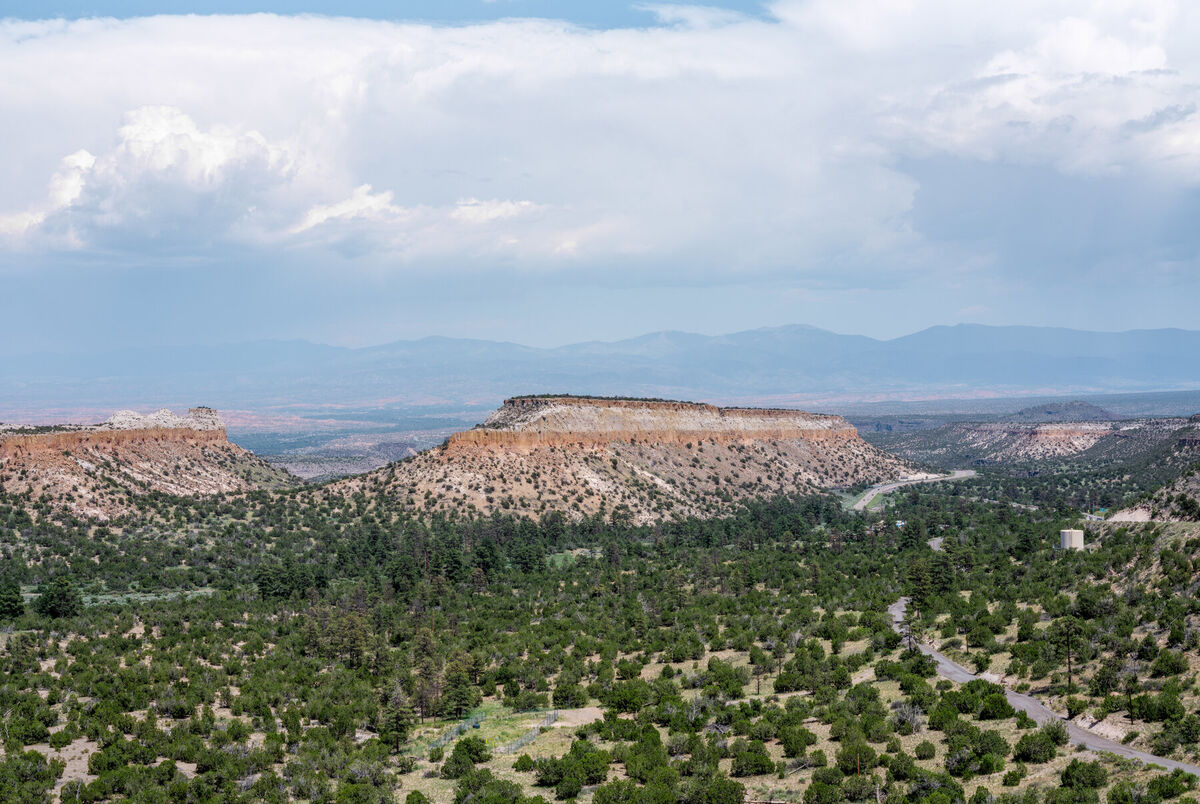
[
  {"x": 643, "y": 460},
  {"x": 98, "y": 471}
]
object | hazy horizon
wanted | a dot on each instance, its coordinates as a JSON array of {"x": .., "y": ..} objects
[{"x": 633, "y": 336}]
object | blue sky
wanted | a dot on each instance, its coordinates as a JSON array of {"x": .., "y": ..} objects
[
  {"x": 555, "y": 172},
  {"x": 581, "y": 12}
]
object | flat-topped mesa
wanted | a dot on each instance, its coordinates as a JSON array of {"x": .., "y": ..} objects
[
  {"x": 526, "y": 422},
  {"x": 99, "y": 470},
  {"x": 642, "y": 459},
  {"x": 201, "y": 425}
]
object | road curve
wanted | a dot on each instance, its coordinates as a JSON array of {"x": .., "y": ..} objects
[
  {"x": 884, "y": 488},
  {"x": 950, "y": 669}
]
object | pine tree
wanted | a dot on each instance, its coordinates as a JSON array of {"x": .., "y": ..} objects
[
  {"x": 919, "y": 584},
  {"x": 59, "y": 599},
  {"x": 12, "y": 605},
  {"x": 396, "y": 715}
]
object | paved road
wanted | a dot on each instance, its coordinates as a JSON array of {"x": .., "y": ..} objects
[
  {"x": 1033, "y": 707},
  {"x": 884, "y": 488}
]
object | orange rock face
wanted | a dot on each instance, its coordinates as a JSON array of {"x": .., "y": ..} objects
[{"x": 30, "y": 445}]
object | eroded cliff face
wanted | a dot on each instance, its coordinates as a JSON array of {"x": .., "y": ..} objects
[
  {"x": 528, "y": 422},
  {"x": 634, "y": 459},
  {"x": 98, "y": 471}
]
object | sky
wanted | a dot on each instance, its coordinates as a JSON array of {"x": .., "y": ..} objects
[{"x": 552, "y": 172}]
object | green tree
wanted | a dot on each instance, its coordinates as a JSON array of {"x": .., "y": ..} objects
[
  {"x": 58, "y": 599},
  {"x": 12, "y": 605},
  {"x": 396, "y": 716}
]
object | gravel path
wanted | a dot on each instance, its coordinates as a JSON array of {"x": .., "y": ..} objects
[{"x": 950, "y": 669}]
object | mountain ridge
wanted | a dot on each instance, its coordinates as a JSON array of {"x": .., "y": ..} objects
[{"x": 792, "y": 365}]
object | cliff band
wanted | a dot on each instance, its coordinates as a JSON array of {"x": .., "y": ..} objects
[{"x": 528, "y": 422}]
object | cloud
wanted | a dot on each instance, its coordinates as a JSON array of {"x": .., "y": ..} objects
[
  {"x": 164, "y": 180},
  {"x": 714, "y": 148},
  {"x": 362, "y": 204},
  {"x": 472, "y": 210}
]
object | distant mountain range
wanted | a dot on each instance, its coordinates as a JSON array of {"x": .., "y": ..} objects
[{"x": 787, "y": 366}]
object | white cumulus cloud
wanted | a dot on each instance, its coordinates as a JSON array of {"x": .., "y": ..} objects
[{"x": 713, "y": 144}]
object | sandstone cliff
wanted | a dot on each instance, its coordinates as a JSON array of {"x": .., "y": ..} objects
[
  {"x": 640, "y": 459},
  {"x": 99, "y": 471}
]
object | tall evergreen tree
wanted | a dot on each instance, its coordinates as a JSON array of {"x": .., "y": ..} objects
[{"x": 12, "y": 605}]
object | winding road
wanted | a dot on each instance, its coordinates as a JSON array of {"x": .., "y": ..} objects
[
  {"x": 950, "y": 669},
  {"x": 884, "y": 488}
]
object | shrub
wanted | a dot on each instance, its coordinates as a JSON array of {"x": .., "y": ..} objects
[
  {"x": 467, "y": 752},
  {"x": 925, "y": 750},
  {"x": 856, "y": 758},
  {"x": 902, "y": 768},
  {"x": 753, "y": 761},
  {"x": 1056, "y": 730},
  {"x": 569, "y": 787},
  {"x": 822, "y": 793},
  {"x": 858, "y": 787},
  {"x": 1036, "y": 747},
  {"x": 829, "y": 775},
  {"x": 1169, "y": 663},
  {"x": 1084, "y": 774},
  {"x": 1170, "y": 785},
  {"x": 996, "y": 707},
  {"x": 795, "y": 739}
]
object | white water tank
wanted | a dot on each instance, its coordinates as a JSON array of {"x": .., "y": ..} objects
[{"x": 1070, "y": 539}]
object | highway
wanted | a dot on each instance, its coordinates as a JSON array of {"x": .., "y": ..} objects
[
  {"x": 947, "y": 668},
  {"x": 884, "y": 488}
]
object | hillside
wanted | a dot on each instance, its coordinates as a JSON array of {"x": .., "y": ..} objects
[
  {"x": 1010, "y": 442},
  {"x": 1179, "y": 499},
  {"x": 100, "y": 470},
  {"x": 1074, "y": 411},
  {"x": 637, "y": 459}
]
